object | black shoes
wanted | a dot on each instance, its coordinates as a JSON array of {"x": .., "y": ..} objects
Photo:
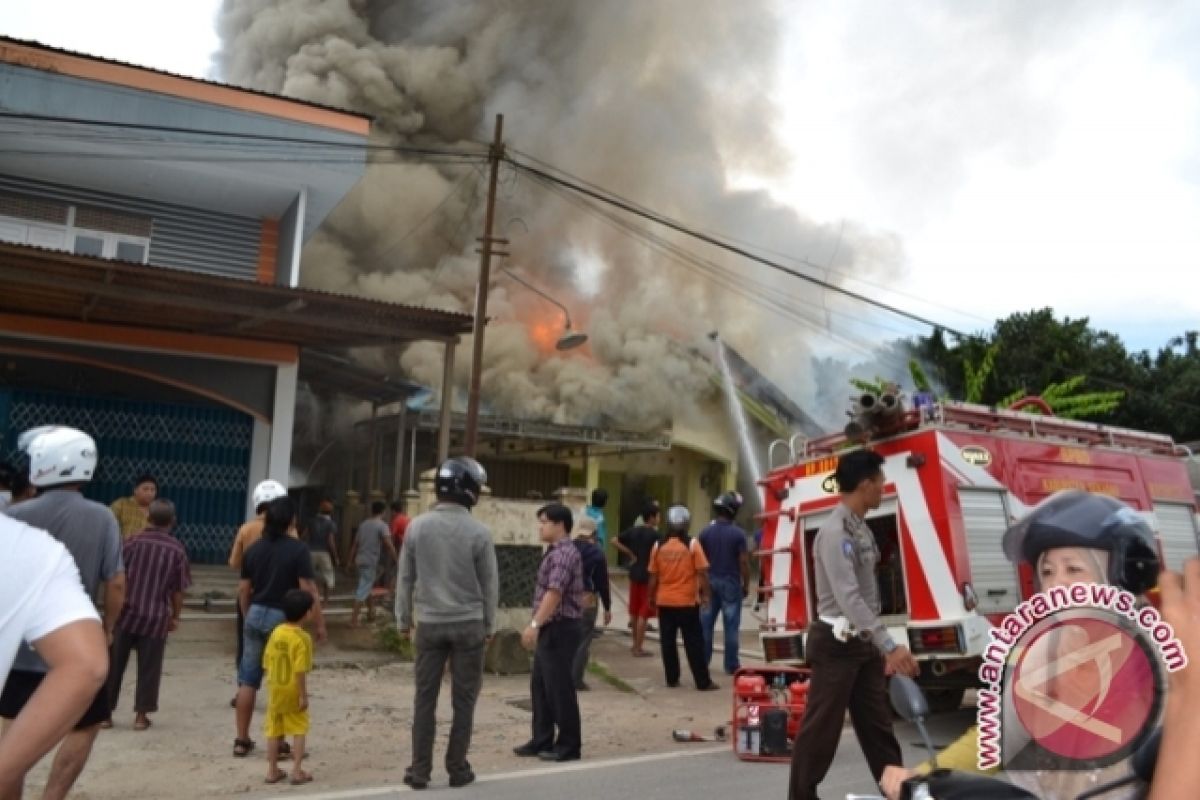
[
  {"x": 457, "y": 779},
  {"x": 461, "y": 779},
  {"x": 712, "y": 687},
  {"x": 529, "y": 751}
]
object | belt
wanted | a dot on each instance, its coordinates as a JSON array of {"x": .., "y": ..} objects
[{"x": 843, "y": 630}]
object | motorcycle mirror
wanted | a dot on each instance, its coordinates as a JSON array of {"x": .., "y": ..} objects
[
  {"x": 908, "y": 699},
  {"x": 1146, "y": 756}
]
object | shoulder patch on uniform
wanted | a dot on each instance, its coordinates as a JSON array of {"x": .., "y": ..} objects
[{"x": 848, "y": 548}]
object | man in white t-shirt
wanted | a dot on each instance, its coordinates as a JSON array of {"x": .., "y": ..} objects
[{"x": 42, "y": 602}]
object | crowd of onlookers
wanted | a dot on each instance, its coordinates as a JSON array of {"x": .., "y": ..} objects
[{"x": 62, "y": 661}]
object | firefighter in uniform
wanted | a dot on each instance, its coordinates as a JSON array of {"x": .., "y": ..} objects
[{"x": 847, "y": 644}]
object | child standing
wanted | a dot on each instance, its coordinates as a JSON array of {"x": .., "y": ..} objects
[{"x": 287, "y": 661}]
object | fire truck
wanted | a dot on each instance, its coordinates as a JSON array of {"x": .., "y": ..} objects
[{"x": 957, "y": 476}]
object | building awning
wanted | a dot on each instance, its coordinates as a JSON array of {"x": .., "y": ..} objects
[{"x": 58, "y": 285}]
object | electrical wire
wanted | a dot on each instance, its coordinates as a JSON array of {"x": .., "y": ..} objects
[
  {"x": 240, "y": 136},
  {"x": 629, "y": 207},
  {"x": 760, "y": 248},
  {"x": 741, "y": 283},
  {"x": 760, "y": 294},
  {"x": 389, "y": 249}
]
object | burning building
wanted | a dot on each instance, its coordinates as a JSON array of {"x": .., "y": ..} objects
[{"x": 656, "y": 101}]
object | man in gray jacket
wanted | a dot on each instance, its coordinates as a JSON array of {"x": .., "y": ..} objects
[{"x": 448, "y": 575}]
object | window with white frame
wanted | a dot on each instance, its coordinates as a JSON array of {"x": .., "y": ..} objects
[{"x": 83, "y": 230}]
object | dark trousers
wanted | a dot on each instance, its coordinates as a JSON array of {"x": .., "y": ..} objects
[
  {"x": 673, "y": 620},
  {"x": 462, "y": 644},
  {"x": 845, "y": 675},
  {"x": 150, "y": 652},
  {"x": 555, "y": 704},
  {"x": 586, "y": 629}
]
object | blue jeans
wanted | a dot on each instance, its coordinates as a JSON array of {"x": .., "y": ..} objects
[
  {"x": 260, "y": 621},
  {"x": 727, "y": 602}
]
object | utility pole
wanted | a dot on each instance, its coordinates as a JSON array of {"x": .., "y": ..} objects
[{"x": 495, "y": 155}]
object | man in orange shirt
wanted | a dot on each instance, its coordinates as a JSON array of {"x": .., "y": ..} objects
[{"x": 678, "y": 587}]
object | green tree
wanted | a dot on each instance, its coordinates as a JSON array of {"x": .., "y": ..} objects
[{"x": 1037, "y": 351}]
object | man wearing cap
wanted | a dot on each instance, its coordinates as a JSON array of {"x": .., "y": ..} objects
[{"x": 847, "y": 645}]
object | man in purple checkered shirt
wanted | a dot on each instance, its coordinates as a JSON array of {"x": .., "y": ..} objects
[
  {"x": 554, "y": 634},
  {"x": 157, "y": 573}
]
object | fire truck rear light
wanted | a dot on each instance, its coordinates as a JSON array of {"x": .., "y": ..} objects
[
  {"x": 936, "y": 640},
  {"x": 783, "y": 647}
]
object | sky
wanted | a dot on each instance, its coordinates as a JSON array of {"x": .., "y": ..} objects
[{"x": 1024, "y": 154}]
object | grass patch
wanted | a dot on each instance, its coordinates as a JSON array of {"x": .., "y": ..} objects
[
  {"x": 598, "y": 670},
  {"x": 390, "y": 641}
]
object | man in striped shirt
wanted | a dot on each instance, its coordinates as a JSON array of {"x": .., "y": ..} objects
[{"x": 157, "y": 572}]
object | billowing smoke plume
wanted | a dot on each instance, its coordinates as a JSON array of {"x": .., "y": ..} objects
[{"x": 658, "y": 101}]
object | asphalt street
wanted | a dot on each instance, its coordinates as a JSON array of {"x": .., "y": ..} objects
[{"x": 707, "y": 771}]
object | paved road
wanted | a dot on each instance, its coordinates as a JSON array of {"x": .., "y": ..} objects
[{"x": 707, "y": 771}]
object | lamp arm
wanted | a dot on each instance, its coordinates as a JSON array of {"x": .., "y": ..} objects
[{"x": 538, "y": 292}]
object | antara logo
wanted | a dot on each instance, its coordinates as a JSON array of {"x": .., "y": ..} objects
[{"x": 830, "y": 484}]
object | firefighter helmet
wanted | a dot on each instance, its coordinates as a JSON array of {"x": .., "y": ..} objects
[
  {"x": 59, "y": 455},
  {"x": 729, "y": 502},
  {"x": 679, "y": 518},
  {"x": 1080, "y": 519},
  {"x": 460, "y": 480}
]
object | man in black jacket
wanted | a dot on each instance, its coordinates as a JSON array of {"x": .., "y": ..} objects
[{"x": 595, "y": 588}]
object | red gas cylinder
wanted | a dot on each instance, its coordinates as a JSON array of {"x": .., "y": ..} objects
[
  {"x": 751, "y": 687},
  {"x": 798, "y": 693}
]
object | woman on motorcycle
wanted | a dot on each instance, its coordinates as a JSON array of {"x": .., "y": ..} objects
[{"x": 1072, "y": 537}]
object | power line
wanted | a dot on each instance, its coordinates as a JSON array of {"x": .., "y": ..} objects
[
  {"x": 392, "y": 247},
  {"x": 728, "y": 238},
  {"x": 762, "y": 293},
  {"x": 627, "y": 206},
  {"x": 765, "y": 296},
  {"x": 238, "y": 136}
]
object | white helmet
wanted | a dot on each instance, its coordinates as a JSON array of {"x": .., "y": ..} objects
[
  {"x": 267, "y": 491},
  {"x": 59, "y": 455}
]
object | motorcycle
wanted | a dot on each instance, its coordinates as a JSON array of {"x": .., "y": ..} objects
[{"x": 910, "y": 703}]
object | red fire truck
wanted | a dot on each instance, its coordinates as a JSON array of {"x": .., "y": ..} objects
[{"x": 957, "y": 476}]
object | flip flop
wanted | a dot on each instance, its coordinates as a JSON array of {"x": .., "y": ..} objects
[
  {"x": 285, "y": 751},
  {"x": 301, "y": 778},
  {"x": 642, "y": 654},
  {"x": 143, "y": 725},
  {"x": 242, "y": 747},
  {"x": 278, "y": 777}
]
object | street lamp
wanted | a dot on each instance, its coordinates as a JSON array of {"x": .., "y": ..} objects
[{"x": 570, "y": 338}]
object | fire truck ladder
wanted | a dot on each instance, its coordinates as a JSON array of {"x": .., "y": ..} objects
[{"x": 991, "y": 420}]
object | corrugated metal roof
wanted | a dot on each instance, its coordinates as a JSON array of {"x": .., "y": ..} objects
[
  {"x": 52, "y": 283},
  {"x": 259, "y": 92}
]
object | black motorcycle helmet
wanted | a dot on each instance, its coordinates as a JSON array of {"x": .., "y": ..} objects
[
  {"x": 460, "y": 480},
  {"x": 729, "y": 503},
  {"x": 1080, "y": 519}
]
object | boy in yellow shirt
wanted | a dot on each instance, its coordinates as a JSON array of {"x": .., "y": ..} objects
[{"x": 287, "y": 660}]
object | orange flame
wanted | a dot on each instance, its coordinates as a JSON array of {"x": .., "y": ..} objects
[{"x": 544, "y": 336}]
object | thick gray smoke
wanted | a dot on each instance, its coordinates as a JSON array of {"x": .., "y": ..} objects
[{"x": 658, "y": 101}]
